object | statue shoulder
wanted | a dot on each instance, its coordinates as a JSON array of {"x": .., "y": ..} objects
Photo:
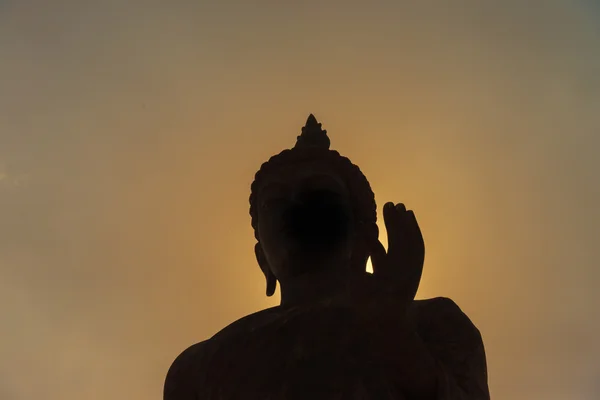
[
  {"x": 187, "y": 374},
  {"x": 179, "y": 383},
  {"x": 444, "y": 315},
  {"x": 248, "y": 324}
]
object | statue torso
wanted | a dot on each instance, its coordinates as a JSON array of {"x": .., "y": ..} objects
[{"x": 294, "y": 353}]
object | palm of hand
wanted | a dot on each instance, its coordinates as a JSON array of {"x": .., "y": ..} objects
[{"x": 398, "y": 270}]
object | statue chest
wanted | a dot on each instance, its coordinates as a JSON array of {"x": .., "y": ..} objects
[{"x": 315, "y": 354}]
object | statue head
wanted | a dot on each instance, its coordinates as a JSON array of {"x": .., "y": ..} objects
[{"x": 310, "y": 209}]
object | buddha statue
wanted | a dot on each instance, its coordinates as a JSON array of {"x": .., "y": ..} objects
[{"x": 339, "y": 332}]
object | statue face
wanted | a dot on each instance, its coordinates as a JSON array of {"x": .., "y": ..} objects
[{"x": 304, "y": 219}]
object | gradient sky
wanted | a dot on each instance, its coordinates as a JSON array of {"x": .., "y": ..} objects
[{"x": 130, "y": 133}]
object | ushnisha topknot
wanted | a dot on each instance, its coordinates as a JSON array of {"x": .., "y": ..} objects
[
  {"x": 312, "y": 136},
  {"x": 313, "y": 144}
]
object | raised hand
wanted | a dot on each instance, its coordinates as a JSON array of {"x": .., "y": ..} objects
[{"x": 400, "y": 268}]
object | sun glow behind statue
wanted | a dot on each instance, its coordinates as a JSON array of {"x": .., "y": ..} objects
[{"x": 369, "y": 266}]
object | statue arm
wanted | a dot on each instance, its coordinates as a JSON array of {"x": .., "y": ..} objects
[{"x": 181, "y": 379}]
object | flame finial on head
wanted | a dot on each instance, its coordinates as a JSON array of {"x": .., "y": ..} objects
[{"x": 313, "y": 135}]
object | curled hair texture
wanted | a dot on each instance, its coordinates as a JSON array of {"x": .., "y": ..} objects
[{"x": 363, "y": 198}]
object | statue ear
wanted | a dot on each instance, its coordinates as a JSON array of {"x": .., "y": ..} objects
[
  {"x": 371, "y": 231},
  {"x": 365, "y": 234},
  {"x": 264, "y": 266}
]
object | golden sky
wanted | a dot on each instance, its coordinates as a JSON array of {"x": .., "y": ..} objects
[{"x": 130, "y": 133}]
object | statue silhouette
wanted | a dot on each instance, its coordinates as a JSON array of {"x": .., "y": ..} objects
[{"x": 339, "y": 332}]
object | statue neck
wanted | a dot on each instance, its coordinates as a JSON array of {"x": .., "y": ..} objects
[{"x": 315, "y": 287}]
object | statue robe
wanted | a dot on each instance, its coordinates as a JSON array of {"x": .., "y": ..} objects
[{"x": 326, "y": 353}]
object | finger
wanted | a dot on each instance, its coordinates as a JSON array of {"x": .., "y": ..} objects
[
  {"x": 403, "y": 244},
  {"x": 393, "y": 226},
  {"x": 415, "y": 255},
  {"x": 397, "y": 232},
  {"x": 415, "y": 237}
]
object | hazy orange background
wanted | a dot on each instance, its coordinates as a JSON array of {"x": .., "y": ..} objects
[{"x": 130, "y": 133}]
